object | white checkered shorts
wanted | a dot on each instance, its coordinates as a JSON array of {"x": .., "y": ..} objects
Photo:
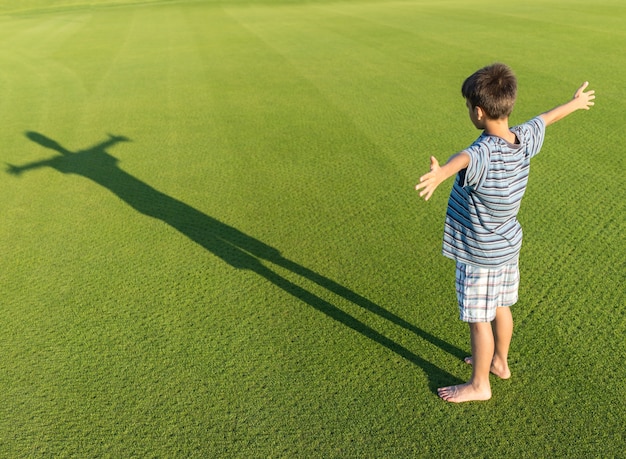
[{"x": 480, "y": 290}]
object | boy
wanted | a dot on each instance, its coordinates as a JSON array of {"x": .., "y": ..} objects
[{"x": 481, "y": 232}]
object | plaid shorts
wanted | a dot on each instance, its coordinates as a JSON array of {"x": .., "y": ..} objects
[{"x": 480, "y": 290}]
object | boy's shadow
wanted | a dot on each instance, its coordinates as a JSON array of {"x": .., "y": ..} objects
[{"x": 231, "y": 245}]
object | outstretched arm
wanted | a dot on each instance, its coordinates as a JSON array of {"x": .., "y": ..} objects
[
  {"x": 430, "y": 181},
  {"x": 112, "y": 140},
  {"x": 582, "y": 101},
  {"x": 17, "y": 170}
]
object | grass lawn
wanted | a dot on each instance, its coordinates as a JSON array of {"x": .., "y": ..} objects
[{"x": 211, "y": 245}]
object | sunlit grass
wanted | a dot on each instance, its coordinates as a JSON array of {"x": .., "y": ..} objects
[{"x": 249, "y": 273}]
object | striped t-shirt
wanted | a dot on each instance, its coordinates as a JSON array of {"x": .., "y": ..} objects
[{"x": 481, "y": 227}]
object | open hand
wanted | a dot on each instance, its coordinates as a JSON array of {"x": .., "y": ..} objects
[
  {"x": 584, "y": 99},
  {"x": 430, "y": 181}
]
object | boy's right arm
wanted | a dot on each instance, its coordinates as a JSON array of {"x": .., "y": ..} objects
[{"x": 582, "y": 101}]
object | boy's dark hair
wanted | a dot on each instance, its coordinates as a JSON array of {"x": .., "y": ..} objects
[{"x": 492, "y": 88}]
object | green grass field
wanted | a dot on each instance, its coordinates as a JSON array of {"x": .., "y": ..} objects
[{"x": 211, "y": 245}]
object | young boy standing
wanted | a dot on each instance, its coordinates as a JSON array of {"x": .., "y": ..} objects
[{"x": 481, "y": 230}]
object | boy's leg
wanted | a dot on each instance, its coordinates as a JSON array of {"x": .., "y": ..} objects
[
  {"x": 502, "y": 327},
  {"x": 478, "y": 387},
  {"x": 502, "y": 333}
]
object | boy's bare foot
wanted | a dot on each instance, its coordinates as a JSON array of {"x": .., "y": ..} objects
[
  {"x": 463, "y": 393},
  {"x": 501, "y": 371}
]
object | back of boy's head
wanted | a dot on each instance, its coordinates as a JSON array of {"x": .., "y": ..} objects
[{"x": 492, "y": 88}]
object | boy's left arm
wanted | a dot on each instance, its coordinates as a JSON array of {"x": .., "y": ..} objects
[{"x": 430, "y": 181}]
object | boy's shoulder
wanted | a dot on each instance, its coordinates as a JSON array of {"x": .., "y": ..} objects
[
  {"x": 531, "y": 134},
  {"x": 485, "y": 143},
  {"x": 534, "y": 125}
]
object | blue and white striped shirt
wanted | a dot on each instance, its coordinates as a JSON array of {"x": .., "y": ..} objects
[{"x": 481, "y": 227}]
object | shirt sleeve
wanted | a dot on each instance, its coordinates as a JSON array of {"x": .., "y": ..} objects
[
  {"x": 532, "y": 134},
  {"x": 477, "y": 169}
]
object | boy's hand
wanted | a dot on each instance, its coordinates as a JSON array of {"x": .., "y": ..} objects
[
  {"x": 581, "y": 101},
  {"x": 584, "y": 99},
  {"x": 429, "y": 182}
]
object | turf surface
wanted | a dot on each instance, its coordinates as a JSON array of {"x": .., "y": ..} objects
[{"x": 211, "y": 245}]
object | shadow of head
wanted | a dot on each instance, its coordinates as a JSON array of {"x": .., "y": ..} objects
[{"x": 44, "y": 141}]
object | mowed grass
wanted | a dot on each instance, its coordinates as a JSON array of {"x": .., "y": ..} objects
[{"x": 211, "y": 246}]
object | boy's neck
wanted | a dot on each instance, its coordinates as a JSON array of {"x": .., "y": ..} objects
[{"x": 500, "y": 128}]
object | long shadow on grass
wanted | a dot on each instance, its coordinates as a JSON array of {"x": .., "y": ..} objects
[{"x": 231, "y": 245}]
